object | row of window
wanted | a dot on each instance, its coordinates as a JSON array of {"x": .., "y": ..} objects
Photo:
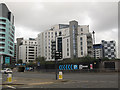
[
  {"x": 2, "y": 45},
  {"x": 2, "y": 35},
  {"x": 10, "y": 47},
  {"x": 2, "y": 40},
  {"x": 2, "y": 30},
  {"x": 55, "y": 33},
  {"x": 10, "y": 43},
  {"x": 3, "y": 25},
  {"x": 2, "y": 20},
  {"x": 30, "y": 42},
  {"x": 11, "y": 31},
  {"x": 2, "y": 50},
  {"x": 11, "y": 35}
]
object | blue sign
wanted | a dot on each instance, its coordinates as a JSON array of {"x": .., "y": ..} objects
[
  {"x": 27, "y": 68},
  {"x": 38, "y": 63},
  {"x": 75, "y": 66},
  {"x": 71, "y": 67},
  {"x": 23, "y": 64},
  {"x": 7, "y": 60},
  {"x": 66, "y": 67}
]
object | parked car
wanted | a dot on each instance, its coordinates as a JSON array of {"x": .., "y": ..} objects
[{"x": 6, "y": 70}]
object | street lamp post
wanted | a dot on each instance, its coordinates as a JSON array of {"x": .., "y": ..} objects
[
  {"x": 94, "y": 42},
  {"x": 93, "y": 36}
]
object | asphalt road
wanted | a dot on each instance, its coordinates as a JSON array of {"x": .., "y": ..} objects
[{"x": 71, "y": 80}]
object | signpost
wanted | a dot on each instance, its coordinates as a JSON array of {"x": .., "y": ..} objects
[
  {"x": 57, "y": 56},
  {"x": 91, "y": 66},
  {"x": 9, "y": 78},
  {"x": 38, "y": 63},
  {"x": 7, "y": 60},
  {"x": 60, "y": 75}
]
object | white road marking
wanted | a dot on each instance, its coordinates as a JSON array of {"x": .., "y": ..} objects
[{"x": 11, "y": 87}]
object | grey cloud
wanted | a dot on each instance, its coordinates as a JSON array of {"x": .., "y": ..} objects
[{"x": 41, "y": 16}]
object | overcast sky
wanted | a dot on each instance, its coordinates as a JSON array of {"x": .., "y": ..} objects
[{"x": 32, "y": 18}]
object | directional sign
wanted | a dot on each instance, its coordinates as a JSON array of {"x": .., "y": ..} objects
[
  {"x": 38, "y": 64},
  {"x": 7, "y": 60},
  {"x": 75, "y": 66}
]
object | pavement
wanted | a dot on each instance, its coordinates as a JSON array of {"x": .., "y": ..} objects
[{"x": 71, "y": 80}]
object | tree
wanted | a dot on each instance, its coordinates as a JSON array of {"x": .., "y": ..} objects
[
  {"x": 40, "y": 59},
  {"x": 20, "y": 61},
  {"x": 105, "y": 59}
]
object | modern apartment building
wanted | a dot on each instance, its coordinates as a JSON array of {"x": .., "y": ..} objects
[
  {"x": 7, "y": 31},
  {"x": 109, "y": 49},
  {"x": 98, "y": 51},
  {"x": 19, "y": 42},
  {"x": 28, "y": 50},
  {"x": 72, "y": 40}
]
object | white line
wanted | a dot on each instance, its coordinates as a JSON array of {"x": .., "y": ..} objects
[{"x": 11, "y": 87}]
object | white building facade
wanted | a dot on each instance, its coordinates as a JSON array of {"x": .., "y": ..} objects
[
  {"x": 98, "y": 51},
  {"x": 72, "y": 40},
  {"x": 28, "y": 50}
]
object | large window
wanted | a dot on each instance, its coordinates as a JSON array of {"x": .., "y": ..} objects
[
  {"x": 2, "y": 45},
  {"x": 2, "y": 30},
  {"x": 81, "y": 38},
  {"x": 2, "y": 35},
  {"x": 2, "y": 25},
  {"x": 2, "y": 20},
  {"x": 81, "y": 29},
  {"x": 2, "y": 40},
  {"x": 2, "y": 50}
]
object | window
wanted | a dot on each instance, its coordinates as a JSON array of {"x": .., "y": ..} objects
[
  {"x": 60, "y": 33},
  {"x": 81, "y": 48},
  {"x": 67, "y": 40},
  {"x": 10, "y": 52},
  {"x": 67, "y": 49},
  {"x": 2, "y": 30},
  {"x": 2, "y": 35},
  {"x": 2, "y": 40},
  {"x": 81, "y": 43},
  {"x": 67, "y": 54},
  {"x": 55, "y": 33},
  {"x": 2, "y": 50},
  {"x": 2, "y": 20},
  {"x": 2, "y": 25},
  {"x": 81, "y": 53},
  {"x": 11, "y": 48},
  {"x": 10, "y": 39},
  {"x": 11, "y": 44},
  {"x": 81, "y": 38},
  {"x": 81, "y": 29},
  {"x": 2, "y": 45},
  {"x": 31, "y": 49}
]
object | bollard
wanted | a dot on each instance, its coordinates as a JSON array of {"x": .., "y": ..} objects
[
  {"x": 60, "y": 75},
  {"x": 9, "y": 78},
  {"x": 91, "y": 66}
]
